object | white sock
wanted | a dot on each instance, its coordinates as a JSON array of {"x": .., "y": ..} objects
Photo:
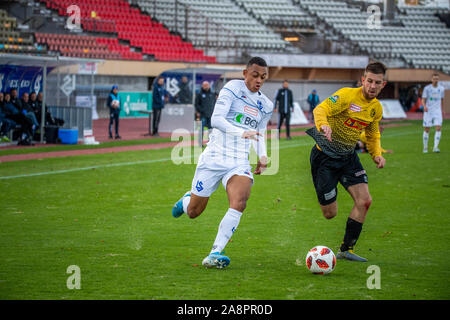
[
  {"x": 186, "y": 201},
  {"x": 437, "y": 137},
  {"x": 425, "y": 140},
  {"x": 227, "y": 227}
]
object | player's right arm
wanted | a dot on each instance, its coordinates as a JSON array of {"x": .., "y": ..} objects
[
  {"x": 424, "y": 99},
  {"x": 329, "y": 107}
]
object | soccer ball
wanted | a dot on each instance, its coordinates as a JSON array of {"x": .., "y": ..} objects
[
  {"x": 320, "y": 260},
  {"x": 115, "y": 103}
]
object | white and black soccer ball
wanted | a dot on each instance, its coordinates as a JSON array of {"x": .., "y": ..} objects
[{"x": 320, "y": 260}]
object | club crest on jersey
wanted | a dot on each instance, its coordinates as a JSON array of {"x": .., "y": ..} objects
[
  {"x": 334, "y": 98},
  {"x": 352, "y": 123},
  {"x": 355, "y": 108},
  {"x": 259, "y": 103}
]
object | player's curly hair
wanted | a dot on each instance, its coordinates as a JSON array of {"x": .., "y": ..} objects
[{"x": 258, "y": 61}]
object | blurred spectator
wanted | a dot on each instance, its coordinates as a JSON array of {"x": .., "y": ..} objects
[
  {"x": 26, "y": 109},
  {"x": 49, "y": 119},
  {"x": 113, "y": 103},
  {"x": 204, "y": 105},
  {"x": 13, "y": 113},
  {"x": 5, "y": 123},
  {"x": 417, "y": 106},
  {"x": 284, "y": 101},
  {"x": 402, "y": 97},
  {"x": 313, "y": 101},
  {"x": 15, "y": 98},
  {"x": 184, "y": 96},
  {"x": 412, "y": 100},
  {"x": 33, "y": 103},
  {"x": 158, "y": 100}
]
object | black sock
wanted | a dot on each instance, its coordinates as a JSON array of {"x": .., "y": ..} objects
[{"x": 352, "y": 231}]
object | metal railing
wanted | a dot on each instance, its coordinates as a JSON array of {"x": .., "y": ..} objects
[{"x": 74, "y": 117}]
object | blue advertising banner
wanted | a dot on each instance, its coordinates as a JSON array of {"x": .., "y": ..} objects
[
  {"x": 23, "y": 78},
  {"x": 175, "y": 86}
]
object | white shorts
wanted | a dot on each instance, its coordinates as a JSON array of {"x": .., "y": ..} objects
[
  {"x": 213, "y": 169},
  {"x": 432, "y": 118}
]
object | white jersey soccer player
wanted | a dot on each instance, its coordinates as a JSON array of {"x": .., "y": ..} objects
[
  {"x": 432, "y": 97},
  {"x": 240, "y": 118}
]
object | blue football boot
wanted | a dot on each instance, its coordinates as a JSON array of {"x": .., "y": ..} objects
[{"x": 177, "y": 209}]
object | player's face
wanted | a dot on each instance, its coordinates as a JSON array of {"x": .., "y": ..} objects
[
  {"x": 255, "y": 76},
  {"x": 435, "y": 80},
  {"x": 372, "y": 85},
  {"x": 205, "y": 86}
]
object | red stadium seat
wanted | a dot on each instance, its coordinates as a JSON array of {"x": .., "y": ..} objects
[{"x": 128, "y": 23}]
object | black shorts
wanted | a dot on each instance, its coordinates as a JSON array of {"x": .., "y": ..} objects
[{"x": 327, "y": 172}]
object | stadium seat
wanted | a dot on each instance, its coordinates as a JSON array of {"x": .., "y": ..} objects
[
  {"x": 86, "y": 46},
  {"x": 130, "y": 25},
  {"x": 419, "y": 32},
  {"x": 207, "y": 19},
  {"x": 14, "y": 41}
]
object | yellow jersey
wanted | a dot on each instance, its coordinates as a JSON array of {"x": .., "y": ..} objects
[
  {"x": 347, "y": 112},
  {"x": 363, "y": 139}
]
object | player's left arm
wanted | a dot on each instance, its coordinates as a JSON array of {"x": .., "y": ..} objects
[
  {"x": 442, "y": 107},
  {"x": 260, "y": 145},
  {"x": 373, "y": 138}
]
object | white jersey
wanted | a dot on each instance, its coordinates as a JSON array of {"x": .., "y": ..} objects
[
  {"x": 238, "y": 110},
  {"x": 433, "y": 96}
]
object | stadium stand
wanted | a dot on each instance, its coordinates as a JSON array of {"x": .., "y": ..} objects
[
  {"x": 214, "y": 25},
  {"x": 277, "y": 13},
  {"x": 86, "y": 46},
  {"x": 418, "y": 40},
  {"x": 140, "y": 31},
  {"x": 13, "y": 41}
]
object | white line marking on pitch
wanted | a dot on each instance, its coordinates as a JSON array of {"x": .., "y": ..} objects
[{"x": 286, "y": 146}]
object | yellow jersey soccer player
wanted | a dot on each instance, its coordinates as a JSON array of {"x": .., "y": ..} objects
[{"x": 339, "y": 121}]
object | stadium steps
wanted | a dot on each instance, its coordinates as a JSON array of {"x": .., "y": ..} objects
[
  {"x": 398, "y": 45},
  {"x": 12, "y": 40},
  {"x": 221, "y": 27},
  {"x": 86, "y": 46},
  {"x": 127, "y": 23}
]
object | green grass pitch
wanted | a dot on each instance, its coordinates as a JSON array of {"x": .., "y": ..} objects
[{"x": 110, "y": 215}]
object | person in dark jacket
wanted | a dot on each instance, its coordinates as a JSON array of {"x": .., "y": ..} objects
[
  {"x": 158, "y": 101},
  {"x": 284, "y": 103},
  {"x": 5, "y": 123},
  {"x": 313, "y": 101},
  {"x": 113, "y": 103},
  {"x": 204, "y": 105},
  {"x": 11, "y": 112},
  {"x": 15, "y": 98},
  {"x": 28, "y": 111},
  {"x": 36, "y": 103},
  {"x": 184, "y": 96}
]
